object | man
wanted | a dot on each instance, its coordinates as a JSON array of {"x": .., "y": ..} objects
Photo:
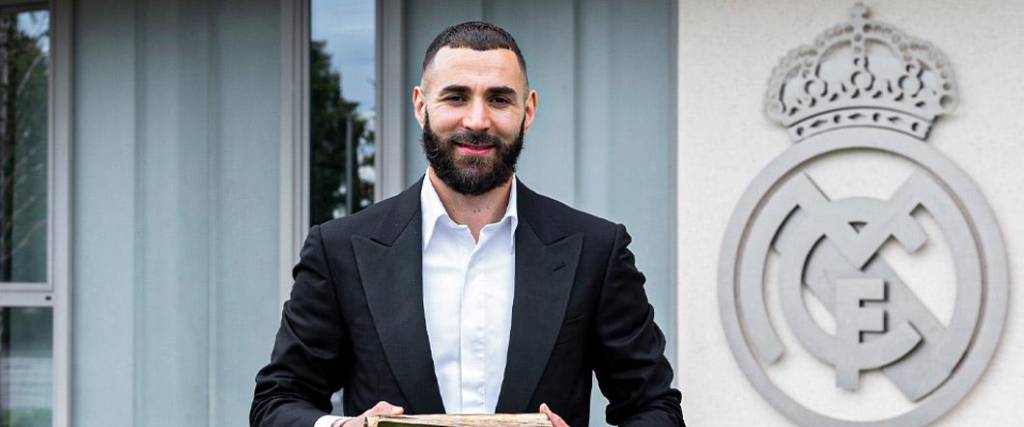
[{"x": 468, "y": 292}]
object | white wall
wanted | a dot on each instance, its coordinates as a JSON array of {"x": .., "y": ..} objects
[{"x": 727, "y": 50}]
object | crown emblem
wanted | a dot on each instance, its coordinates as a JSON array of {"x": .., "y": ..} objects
[{"x": 861, "y": 73}]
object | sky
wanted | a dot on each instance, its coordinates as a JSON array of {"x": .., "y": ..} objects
[{"x": 348, "y": 28}]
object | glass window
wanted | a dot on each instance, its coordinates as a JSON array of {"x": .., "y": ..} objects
[
  {"x": 24, "y": 83},
  {"x": 342, "y": 70},
  {"x": 26, "y": 366},
  {"x": 26, "y": 332}
]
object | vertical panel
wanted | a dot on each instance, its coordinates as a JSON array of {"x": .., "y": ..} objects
[
  {"x": 246, "y": 119},
  {"x": 172, "y": 212},
  {"x": 593, "y": 81},
  {"x": 194, "y": 254},
  {"x": 63, "y": 49},
  {"x": 293, "y": 217},
  {"x": 593, "y": 70},
  {"x": 103, "y": 244}
]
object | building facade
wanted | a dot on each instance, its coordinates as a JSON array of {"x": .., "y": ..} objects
[{"x": 189, "y": 145}]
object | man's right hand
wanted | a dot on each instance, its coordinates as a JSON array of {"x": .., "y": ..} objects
[
  {"x": 381, "y": 408},
  {"x": 556, "y": 421}
]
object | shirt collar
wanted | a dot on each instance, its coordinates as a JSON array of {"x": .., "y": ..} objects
[{"x": 433, "y": 210}]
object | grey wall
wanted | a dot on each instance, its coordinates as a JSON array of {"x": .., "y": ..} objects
[
  {"x": 603, "y": 140},
  {"x": 175, "y": 229}
]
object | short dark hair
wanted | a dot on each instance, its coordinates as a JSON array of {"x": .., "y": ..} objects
[{"x": 475, "y": 35}]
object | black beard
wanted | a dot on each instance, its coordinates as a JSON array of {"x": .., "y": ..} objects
[{"x": 471, "y": 175}]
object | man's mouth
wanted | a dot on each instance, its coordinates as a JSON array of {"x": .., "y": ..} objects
[{"x": 474, "y": 150}]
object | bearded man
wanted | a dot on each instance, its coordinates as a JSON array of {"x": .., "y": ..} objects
[{"x": 468, "y": 292}]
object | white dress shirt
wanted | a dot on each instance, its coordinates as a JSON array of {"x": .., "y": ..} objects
[
  {"x": 468, "y": 288},
  {"x": 467, "y": 298}
]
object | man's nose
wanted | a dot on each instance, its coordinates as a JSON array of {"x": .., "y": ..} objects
[{"x": 477, "y": 118}]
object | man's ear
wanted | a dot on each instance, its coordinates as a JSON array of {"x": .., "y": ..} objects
[
  {"x": 419, "y": 105},
  {"x": 530, "y": 110}
]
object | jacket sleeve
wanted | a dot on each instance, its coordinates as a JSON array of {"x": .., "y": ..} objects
[
  {"x": 312, "y": 351},
  {"x": 631, "y": 368}
]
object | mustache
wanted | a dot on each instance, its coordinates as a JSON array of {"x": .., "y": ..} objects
[{"x": 475, "y": 139}]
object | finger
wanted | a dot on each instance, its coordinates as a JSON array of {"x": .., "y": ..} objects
[
  {"x": 556, "y": 421},
  {"x": 385, "y": 408}
]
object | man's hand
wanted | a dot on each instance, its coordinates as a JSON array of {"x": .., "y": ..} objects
[
  {"x": 556, "y": 421},
  {"x": 381, "y": 408}
]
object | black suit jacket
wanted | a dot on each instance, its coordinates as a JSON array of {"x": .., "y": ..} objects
[{"x": 355, "y": 321}]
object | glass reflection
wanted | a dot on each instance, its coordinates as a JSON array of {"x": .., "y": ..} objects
[
  {"x": 342, "y": 118},
  {"x": 24, "y": 71}
]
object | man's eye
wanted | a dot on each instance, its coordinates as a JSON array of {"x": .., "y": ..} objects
[
  {"x": 454, "y": 98},
  {"x": 501, "y": 101}
]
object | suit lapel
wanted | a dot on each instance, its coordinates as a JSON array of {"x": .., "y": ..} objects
[
  {"x": 545, "y": 269},
  {"x": 390, "y": 266}
]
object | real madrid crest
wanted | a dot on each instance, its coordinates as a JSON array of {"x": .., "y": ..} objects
[{"x": 804, "y": 262}]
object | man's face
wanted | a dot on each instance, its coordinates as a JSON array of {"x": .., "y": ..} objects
[{"x": 474, "y": 109}]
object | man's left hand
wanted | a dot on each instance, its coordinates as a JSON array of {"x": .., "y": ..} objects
[{"x": 556, "y": 421}]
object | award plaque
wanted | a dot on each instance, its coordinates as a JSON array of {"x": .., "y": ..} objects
[{"x": 495, "y": 420}]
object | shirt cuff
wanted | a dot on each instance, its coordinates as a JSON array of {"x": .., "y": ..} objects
[{"x": 328, "y": 420}]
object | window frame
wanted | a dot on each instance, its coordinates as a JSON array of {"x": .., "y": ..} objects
[
  {"x": 294, "y": 155},
  {"x": 55, "y": 293}
]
